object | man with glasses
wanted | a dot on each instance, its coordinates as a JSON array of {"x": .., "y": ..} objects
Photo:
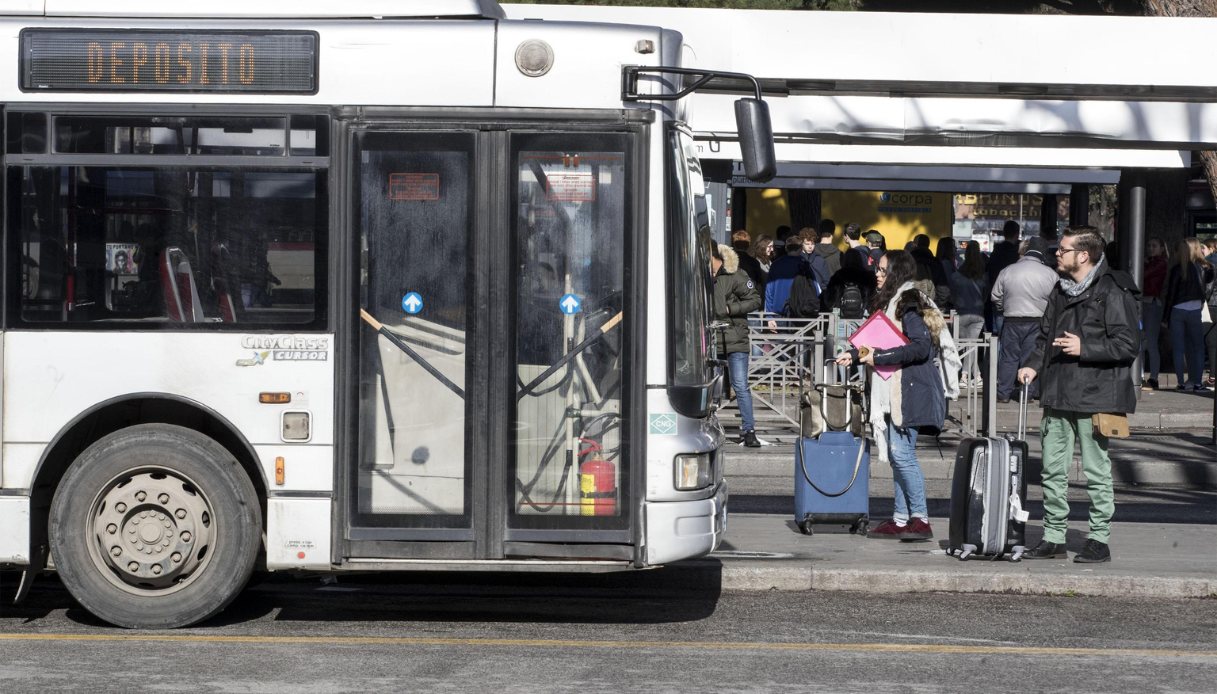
[{"x": 1088, "y": 341}]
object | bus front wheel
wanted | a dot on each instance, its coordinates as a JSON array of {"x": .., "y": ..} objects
[{"x": 155, "y": 526}]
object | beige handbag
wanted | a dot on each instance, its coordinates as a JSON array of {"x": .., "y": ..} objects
[{"x": 1111, "y": 425}]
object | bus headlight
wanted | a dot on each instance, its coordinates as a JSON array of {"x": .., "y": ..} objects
[{"x": 694, "y": 471}]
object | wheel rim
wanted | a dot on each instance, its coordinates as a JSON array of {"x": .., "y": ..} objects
[{"x": 153, "y": 531}]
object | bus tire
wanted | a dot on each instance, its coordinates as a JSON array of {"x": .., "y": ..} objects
[{"x": 155, "y": 526}]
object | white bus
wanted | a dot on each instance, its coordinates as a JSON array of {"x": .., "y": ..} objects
[{"x": 371, "y": 285}]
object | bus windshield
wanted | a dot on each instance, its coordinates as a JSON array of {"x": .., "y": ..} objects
[{"x": 689, "y": 264}]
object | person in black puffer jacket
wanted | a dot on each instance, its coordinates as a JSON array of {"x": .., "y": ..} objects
[{"x": 735, "y": 296}]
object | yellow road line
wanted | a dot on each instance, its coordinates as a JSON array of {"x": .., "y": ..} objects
[{"x": 942, "y": 649}]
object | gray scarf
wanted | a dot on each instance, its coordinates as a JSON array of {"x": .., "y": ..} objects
[{"x": 1072, "y": 288}]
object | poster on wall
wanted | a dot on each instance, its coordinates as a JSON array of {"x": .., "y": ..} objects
[
  {"x": 121, "y": 258},
  {"x": 898, "y": 215}
]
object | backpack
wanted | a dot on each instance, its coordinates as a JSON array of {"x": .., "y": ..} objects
[
  {"x": 804, "y": 298},
  {"x": 849, "y": 301}
]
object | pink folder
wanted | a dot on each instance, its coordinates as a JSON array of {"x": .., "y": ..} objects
[{"x": 879, "y": 332}]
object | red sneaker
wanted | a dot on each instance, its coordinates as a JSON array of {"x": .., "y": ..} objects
[
  {"x": 917, "y": 530},
  {"x": 887, "y": 530}
]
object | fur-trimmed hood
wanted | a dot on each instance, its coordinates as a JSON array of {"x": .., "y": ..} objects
[{"x": 730, "y": 258}]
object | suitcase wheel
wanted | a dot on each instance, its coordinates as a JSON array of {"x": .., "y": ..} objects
[
  {"x": 806, "y": 527},
  {"x": 860, "y": 527}
]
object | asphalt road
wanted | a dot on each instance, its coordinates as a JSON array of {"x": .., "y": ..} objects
[{"x": 625, "y": 633}]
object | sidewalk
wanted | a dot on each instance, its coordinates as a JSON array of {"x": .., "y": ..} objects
[
  {"x": 766, "y": 552},
  {"x": 1174, "y": 558}
]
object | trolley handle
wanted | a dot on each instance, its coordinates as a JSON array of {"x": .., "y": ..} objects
[
  {"x": 1022, "y": 411},
  {"x": 842, "y": 373}
]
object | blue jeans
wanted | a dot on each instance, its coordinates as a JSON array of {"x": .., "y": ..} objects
[
  {"x": 906, "y": 474},
  {"x": 1187, "y": 345},
  {"x": 737, "y": 370},
  {"x": 1016, "y": 343},
  {"x": 1151, "y": 326}
]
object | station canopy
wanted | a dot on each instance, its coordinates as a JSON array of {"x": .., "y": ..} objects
[{"x": 959, "y": 102}]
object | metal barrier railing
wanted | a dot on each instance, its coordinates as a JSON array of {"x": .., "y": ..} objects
[
  {"x": 784, "y": 352},
  {"x": 788, "y": 352}
]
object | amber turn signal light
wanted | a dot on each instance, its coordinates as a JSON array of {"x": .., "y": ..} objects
[
  {"x": 280, "y": 473},
  {"x": 274, "y": 398}
]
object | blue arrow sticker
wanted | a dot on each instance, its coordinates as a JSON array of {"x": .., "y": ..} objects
[
  {"x": 412, "y": 303},
  {"x": 570, "y": 304}
]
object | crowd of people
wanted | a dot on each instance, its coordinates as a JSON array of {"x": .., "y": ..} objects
[{"x": 1070, "y": 323}]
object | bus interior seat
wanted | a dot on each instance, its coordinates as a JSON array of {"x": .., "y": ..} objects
[
  {"x": 224, "y": 302},
  {"x": 181, "y": 293}
]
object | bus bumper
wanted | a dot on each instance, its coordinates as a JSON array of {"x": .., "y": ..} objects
[
  {"x": 15, "y": 530},
  {"x": 678, "y": 530}
]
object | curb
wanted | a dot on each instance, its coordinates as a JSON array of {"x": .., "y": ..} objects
[{"x": 752, "y": 576}]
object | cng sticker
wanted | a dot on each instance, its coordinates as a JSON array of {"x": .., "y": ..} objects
[{"x": 663, "y": 424}]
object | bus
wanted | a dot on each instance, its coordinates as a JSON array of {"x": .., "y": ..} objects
[{"x": 364, "y": 286}]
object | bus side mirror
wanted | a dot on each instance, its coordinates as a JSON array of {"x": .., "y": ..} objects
[{"x": 756, "y": 139}]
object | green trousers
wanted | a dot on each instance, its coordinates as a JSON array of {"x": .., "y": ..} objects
[{"x": 1058, "y": 431}]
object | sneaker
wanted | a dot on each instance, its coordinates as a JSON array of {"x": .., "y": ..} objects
[
  {"x": 1093, "y": 552},
  {"x": 918, "y": 530},
  {"x": 1152, "y": 383},
  {"x": 749, "y": 439},
  {"x": 1183, "y": 387},
  {"x": 1003, "y": 400},
  {"x": 887, "y": 530},
  {"x": 1200, "y": 388},
  {"x": 1045, "y": 550}
]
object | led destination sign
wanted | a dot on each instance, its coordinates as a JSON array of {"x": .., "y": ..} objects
[{"x": 169, "y": 61}]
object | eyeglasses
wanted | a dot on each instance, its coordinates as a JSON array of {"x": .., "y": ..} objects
[{"x": 1063, "y": 251}]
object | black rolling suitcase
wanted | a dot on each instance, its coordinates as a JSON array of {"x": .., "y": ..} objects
[{"x": 987, "y": 492}]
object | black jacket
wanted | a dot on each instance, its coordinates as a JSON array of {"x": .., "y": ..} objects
[
  {"x": 752, "y": 267},
  {"x": 735, "y": 296},
  {"x": 1004, "y": 255},
  {"x": 1107, "y": 319},
  {"x": 928, "y": 268},
  {"x": 923, "y": 402},
  {"x": 864, "y": 279},
  {"x": 1191, "y": 288}
]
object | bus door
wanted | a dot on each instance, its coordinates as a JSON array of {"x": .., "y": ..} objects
[{"x": 492, "y": 413}]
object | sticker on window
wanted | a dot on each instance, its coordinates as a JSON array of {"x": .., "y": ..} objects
[
  {"x": 414, "y": 186},
  {"x": 572, "y": 186}
]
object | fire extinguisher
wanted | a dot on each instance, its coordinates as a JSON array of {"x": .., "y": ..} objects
[{"x": 597, "y": 482}]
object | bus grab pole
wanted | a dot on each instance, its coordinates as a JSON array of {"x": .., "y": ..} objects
[{"x": 401, "y": 344}]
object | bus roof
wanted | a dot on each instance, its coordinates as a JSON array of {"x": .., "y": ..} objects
[{"x": 299, "y": 9}]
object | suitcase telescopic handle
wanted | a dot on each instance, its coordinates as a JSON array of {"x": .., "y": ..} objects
[
  {"x": 842, "y": 373},
  {"x": 1022, "y": 411}
]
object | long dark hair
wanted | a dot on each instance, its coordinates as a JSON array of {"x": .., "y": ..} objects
[
  {"x": 901, "y": 268},
  {"x": 973, "y": 262}
]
